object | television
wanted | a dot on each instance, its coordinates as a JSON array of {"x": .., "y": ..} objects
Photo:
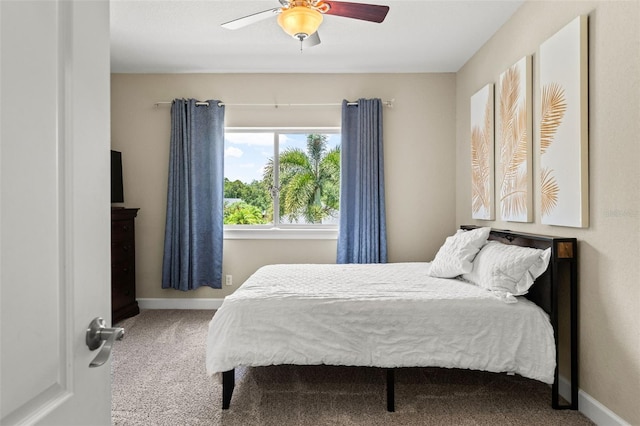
[{"x": 117, "y": 192}]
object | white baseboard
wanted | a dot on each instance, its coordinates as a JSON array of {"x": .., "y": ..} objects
[
  {"x": 591, "y": 407},
  {"x": 179, "y": 303}
]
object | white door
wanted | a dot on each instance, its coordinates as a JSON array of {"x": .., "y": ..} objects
[{"x": 54, "y": 210}]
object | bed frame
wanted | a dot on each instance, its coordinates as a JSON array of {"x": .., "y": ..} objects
[{"x": 561, "y": 276}]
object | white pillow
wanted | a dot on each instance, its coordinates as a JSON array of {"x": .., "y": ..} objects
[
  {"x": 508, "y": 270},
  {"x": 458, "y": 251}
]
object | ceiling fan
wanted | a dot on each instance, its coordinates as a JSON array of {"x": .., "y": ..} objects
[{"x": 301, "y": 18}]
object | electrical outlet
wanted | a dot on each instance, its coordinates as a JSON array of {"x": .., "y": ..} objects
[{"x": 228, "y": 280}]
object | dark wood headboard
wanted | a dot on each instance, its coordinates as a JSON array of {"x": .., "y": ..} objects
[
  {"x": 561, "y": 272},
  {"x": 563, "y": 255}
]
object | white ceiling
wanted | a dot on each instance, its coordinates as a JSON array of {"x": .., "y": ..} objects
[{"x": 180, "y": 36}]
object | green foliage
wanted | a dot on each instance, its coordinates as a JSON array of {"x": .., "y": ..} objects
[
  {"x": 233, "y": 189},
  {"x": 254, "y": 193},
  {"x": 309, "y": 187},
  {"x": 255, "y": 207},
  {"x": 240, "y": 213},
  {"x": 309, "y": 181}
]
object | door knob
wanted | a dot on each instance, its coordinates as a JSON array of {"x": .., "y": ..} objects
[{"x": 97, "y": 333}]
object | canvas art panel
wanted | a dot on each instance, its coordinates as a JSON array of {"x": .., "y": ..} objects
[
  {"x": 515, "y": 146},
  {"x": 482, "y": 154},
  {"x": 564, "y": 127}
]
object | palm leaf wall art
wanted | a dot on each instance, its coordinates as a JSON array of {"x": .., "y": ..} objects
[
  {"x": 563, "y": 127},
  {"x": 553, "y": 107},
  {"x": 482, "y": 155},
  {"x": 515, "y": 142}
]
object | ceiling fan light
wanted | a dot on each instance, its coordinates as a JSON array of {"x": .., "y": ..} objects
[{"x": 300, "y": 21}]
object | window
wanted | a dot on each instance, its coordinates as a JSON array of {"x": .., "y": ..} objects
[{"x": 281, "y": 178}]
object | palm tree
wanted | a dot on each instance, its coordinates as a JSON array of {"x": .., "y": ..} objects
[{"x": 309, "y": 182}]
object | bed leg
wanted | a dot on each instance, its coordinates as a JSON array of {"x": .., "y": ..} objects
[
  {"x": 228, "y": 383},
  {"x": 555, "y": 392},
  {"x": 391, "y": 404}
]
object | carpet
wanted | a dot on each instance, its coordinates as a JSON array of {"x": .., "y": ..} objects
[{"x": 159, "y": 378}]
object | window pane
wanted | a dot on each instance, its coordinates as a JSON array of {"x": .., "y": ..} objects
[
  {"x": 247, "y": 199},
  {"x": 309, "y": 178},
  {"x": 307, "y": 171}
]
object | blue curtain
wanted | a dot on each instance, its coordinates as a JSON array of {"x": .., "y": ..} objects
[
  {"x": 193, "y": 233},
  {"x": 362, "y": 234}
]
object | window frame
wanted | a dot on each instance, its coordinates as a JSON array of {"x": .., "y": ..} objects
[{"x": 277, "y": 230}]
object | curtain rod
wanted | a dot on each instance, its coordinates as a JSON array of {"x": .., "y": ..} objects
[{"x": 388, "y": 104}]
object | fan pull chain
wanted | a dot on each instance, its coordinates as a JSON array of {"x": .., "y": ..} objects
[{"x": 301, "y": 37}]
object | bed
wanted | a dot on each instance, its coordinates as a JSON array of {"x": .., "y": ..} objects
[{"x": 400, "y": 315}]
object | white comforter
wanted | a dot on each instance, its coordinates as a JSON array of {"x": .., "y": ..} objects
[{"x": 379, "y": 315}]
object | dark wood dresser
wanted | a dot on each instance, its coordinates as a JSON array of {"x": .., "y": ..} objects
[{"x": 123, "y": 264}]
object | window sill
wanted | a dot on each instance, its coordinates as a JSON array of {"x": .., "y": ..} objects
[{"x": 280, "y": 234}]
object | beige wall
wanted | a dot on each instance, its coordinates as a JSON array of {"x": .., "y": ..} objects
[
  {"x": 419, "y": 144},
  {"x": 609, "y": 250}
]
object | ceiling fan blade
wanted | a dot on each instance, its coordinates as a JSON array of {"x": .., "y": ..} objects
[
  {"x": 251, "y": 19},
  {"x": 312, "y": 40},
  {"x": 365, "y": 12}
]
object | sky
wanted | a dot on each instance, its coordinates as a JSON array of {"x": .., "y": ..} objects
[{"x": 246, "y": 154}]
